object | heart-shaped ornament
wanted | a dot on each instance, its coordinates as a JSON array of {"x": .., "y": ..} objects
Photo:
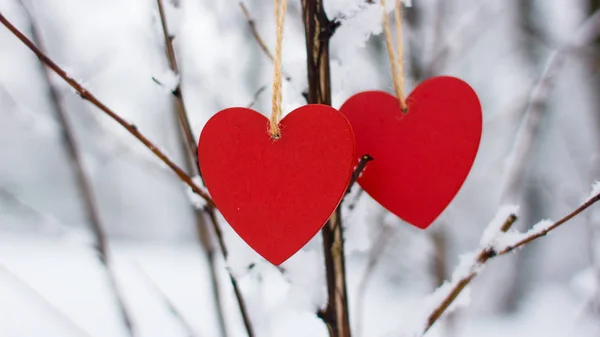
[
  {"x": 422, "y": 157},
  {"x": 277, "y": 193}
]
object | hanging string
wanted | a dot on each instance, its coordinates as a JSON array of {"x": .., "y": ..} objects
[
  {"x": 396, "y": 61},
  {"x": 277, "y": 110}
]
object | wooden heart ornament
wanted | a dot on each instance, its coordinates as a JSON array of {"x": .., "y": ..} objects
[
  {"x": 422, "y": 157},
  {"x": 277, "y": 193}
]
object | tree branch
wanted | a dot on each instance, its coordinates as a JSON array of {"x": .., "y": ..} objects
[
  {"x": 254, "y": 31},
  {"x": 180, "y": 105},
  {"x": 83, "y": 182},
  {"x": 261, "y": 42},
  {"x": 489, "y": 253},
  {"x": 86, "y": 95},
  {"x": 588, "y": 31},
  {"x": 134, "y": 131},
  {"x": 362, "y": 164},
  {"x": 482, "y": 257},
  {"x": 193, "y": 167},
  {"x": 545, "y": 231}
]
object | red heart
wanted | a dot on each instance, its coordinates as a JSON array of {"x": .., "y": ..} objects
[
  {"x": 422, "y": 157},
  {"x": 277, "y": 194}
]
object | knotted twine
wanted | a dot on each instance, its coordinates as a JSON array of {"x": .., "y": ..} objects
[
  {"x": 277, "y": 111},
  {"x": 396, "y": 61}
]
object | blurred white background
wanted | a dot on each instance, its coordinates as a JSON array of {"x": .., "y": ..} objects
[{"x": 52, "y": 284}]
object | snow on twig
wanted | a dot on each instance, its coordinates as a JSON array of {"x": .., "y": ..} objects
[{"x": 495, "y": 241}]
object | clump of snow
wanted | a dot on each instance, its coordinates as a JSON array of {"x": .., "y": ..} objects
[
  {"x": 197, "y": 201},
  {"x": 358, "y": 221},
  {"x": 595, "y": 189},
  {"x": 492, "y": 231},
  {"x": 305, "y": 271},
  {"x": 513, "y": 237},
  {"x": 417, "y": 322},
  {"x": 168, "y": 80}
]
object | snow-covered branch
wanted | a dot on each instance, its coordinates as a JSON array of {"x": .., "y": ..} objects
[
  {"x": 513, "y": 240},
  {"x": 496, "y": 240}
]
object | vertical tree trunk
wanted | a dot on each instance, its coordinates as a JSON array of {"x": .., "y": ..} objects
[{"x": 319, "y": 29}]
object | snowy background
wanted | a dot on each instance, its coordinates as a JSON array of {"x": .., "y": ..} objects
[{"x": 52, "y": 284}]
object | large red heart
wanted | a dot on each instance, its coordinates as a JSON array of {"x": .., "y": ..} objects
[
  {"x": 277, "y": 193},
  {"x": 422, "y": 157}
]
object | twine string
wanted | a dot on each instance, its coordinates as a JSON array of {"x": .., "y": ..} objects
[
  {"x": 396, "y": 58},
  {"x": 277, "y": 110}
]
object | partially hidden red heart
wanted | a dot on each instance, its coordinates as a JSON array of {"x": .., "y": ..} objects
[
  {"x": 277, "y": 193},
  {"x": 421, "y": 157}
]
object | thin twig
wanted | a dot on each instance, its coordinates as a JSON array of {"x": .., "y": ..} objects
[
  {"x": 168, "y": 303},
  {"x": 83, "y": 182},
  {"x": 193, "y": 167},
  {"x": 364, "y": 160},
  {"x": 489, "y": 253},
  {"x": 58, "y": 313},
  {"x": 362, "y": 164},
  {"x": 210, "y": 211},
  {"x": 258, "y": 38},
  {"x": 555, "y": 225},
  {"x": 482, "y": 257},
  {"x": 180, "y": 105},
  {"x": 531, "y": 122},
  {"x": 254, "y": 31},
  {"x": 586, "y": 33},
  {"x": 256, "y": 95},
  {"x": 352, "y": 204},
  {"x": 86, "y": 95}
]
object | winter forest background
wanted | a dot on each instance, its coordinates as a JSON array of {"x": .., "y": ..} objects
[{"x": 534, "y": 64}]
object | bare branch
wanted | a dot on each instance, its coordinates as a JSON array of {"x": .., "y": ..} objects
[
  {"x": 193, "y": 167},
  {"x": 256, "y": 95},
  {"x": 180, "y": 105},
  {"x": 489, "y": 253},
  {"x": 210, "y": 211},
  {"x": 254, "y": 31},
  {"x": 83, "y": 182},
  {"x": 258, "y": 38},
  {"x": 482, "y": 257},
  {"x": 545, "y": 231},
  {"x": 589, "y": 30},
  {"x": 85, "y": 94}
]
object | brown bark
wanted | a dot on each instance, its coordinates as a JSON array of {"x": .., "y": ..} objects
[{"x": 318, "y": 30}]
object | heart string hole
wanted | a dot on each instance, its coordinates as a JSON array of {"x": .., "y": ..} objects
[{"x": 276, "y": 136}]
